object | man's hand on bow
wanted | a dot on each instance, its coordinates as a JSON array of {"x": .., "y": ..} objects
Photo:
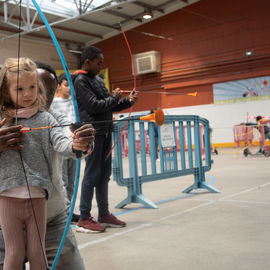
[
  {"x": 133, "y": 96},
  {"x": 10, "y": 137},
  {"x": 83, "y": 138}
]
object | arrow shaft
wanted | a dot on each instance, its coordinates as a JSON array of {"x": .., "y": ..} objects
[{"x": 156, "y": 92}]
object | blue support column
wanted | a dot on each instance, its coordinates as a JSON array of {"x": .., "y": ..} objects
[
  {"x": 143, "y": 148},
  {"x": 182, "y": 146},
  {"x": 189, "y": 140}
]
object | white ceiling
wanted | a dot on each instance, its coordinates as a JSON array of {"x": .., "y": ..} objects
[{"x": 100, "y": 21}]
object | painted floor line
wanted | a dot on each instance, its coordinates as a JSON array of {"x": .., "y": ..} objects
[
  {"x": 106, "y": 238},
  {"x": 142, "y": 226},
  {"x": 170, "y": 199},
  {"x": 248, "y": 202},
  {"x": 189, "y": 210},
  {"x": 163, "y": 201},
  {"x": 245, "y": 191}
]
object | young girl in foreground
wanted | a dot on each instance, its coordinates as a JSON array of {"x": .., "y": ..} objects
[{"x": 26, "y": 101}]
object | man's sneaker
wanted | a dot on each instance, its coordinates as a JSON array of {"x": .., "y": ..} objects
[
  {"x": 75, "y": 218},
  {"x": 111, "y": 221},
  {"x": 89, "y": 226}
]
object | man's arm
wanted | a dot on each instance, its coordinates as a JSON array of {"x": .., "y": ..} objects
[
  {"x": 82, "y": 138},
  {"x": 126, "y": 102}
]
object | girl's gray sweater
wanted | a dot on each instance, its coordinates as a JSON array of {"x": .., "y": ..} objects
[{"x": 37, "y": 154}]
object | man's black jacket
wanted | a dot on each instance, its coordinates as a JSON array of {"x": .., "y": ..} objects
[{"x": 95, "y": 103}]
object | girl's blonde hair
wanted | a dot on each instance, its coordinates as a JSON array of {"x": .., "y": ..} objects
[{"x": 15, "y": 66}]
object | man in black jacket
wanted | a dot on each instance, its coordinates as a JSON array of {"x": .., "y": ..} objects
[{"x": 97, "y": 104}]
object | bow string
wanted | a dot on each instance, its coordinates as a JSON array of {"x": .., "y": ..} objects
[{"x": 75, "y": 105}]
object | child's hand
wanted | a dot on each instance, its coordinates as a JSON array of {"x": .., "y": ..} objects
[
  {"x": 10, "y": 137},
  {"x": 133, "y": 96},
  {"x": 83, "y": 138}
]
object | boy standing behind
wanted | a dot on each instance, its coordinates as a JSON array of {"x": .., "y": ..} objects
[{"x": 63, "y": 105}]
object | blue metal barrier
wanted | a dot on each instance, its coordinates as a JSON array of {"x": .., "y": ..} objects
[{"x": 146, "y": 168}]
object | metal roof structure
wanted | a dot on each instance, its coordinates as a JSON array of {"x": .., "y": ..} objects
[{"x": 78, "y": 23}]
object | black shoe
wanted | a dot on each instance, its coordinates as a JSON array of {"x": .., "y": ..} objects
[{"x": 75, "y": 218}]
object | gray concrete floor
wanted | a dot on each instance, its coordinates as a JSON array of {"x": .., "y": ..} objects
[{"x": 224, "y": 231}]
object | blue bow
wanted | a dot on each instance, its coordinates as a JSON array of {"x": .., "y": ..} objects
[{"x": 75, "y": 104}]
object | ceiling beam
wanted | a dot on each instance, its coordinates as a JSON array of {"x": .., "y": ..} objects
[
  {"x": 10, "y": 30},
  {"x": 121, "y": 15},
  {"x": 117, "y": 14},
  {"x": 60, "y": 28},
  {"x": 97, "y": 23},
  {"x": 147, "y": 6},
  {"x": 143, "y": 5}
]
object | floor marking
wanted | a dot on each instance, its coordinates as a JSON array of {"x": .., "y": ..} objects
[
  {"x": 184, "y": 211},
  {"x": 163, "y": 201},
  {"x": 104, "y": 239},
  {"x": 171, "y": 199},
  {"x": 250, "y": 202},
  {"x": 245, "y": 191}
]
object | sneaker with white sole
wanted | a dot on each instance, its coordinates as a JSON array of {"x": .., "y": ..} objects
[
  {"x": 89, "y": 226},
  {"x": 111, "y": 221}
]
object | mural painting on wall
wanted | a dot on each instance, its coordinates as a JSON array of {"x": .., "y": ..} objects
[
  {"x": 242, "y": 90},
  {"x": 104, "y": 75}
]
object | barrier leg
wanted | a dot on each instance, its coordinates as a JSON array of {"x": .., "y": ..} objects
[
  {"x": 209, "y": 187},
  {"x": 136, "y": 198},
  {"x": 123, "y": 203},
  {"x": 203, "y": 186},
  {"x": 200, "y": 183}
]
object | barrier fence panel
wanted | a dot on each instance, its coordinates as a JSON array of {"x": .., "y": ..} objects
[{"x": 183, "y": 146}]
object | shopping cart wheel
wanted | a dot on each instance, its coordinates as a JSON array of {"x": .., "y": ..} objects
[
  {"x": 246, "y": 152},
  {"x": 266, "y": 153}
]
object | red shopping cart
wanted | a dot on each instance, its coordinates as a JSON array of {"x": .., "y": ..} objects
[
  {"x": 243, "y": 134},
  {"x": 264, "y": 129},
  {"x": 244, "y": 137}
]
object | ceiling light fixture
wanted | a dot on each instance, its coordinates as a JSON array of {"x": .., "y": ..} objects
[
  {"x": 249, "y": 53},
  {"x": 147, "y": 15},
  {"x": 75, "y": 51}
]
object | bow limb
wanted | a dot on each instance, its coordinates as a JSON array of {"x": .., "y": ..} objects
[
  {"x": 75, "y": 105},
  {"x": 131, "y": 58},
  {"x": 134, "y": 89}
]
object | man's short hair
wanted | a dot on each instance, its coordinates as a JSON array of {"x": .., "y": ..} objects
[
  {"x": 90, "y": 53},
  {"x": 47, "y": 67}
]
